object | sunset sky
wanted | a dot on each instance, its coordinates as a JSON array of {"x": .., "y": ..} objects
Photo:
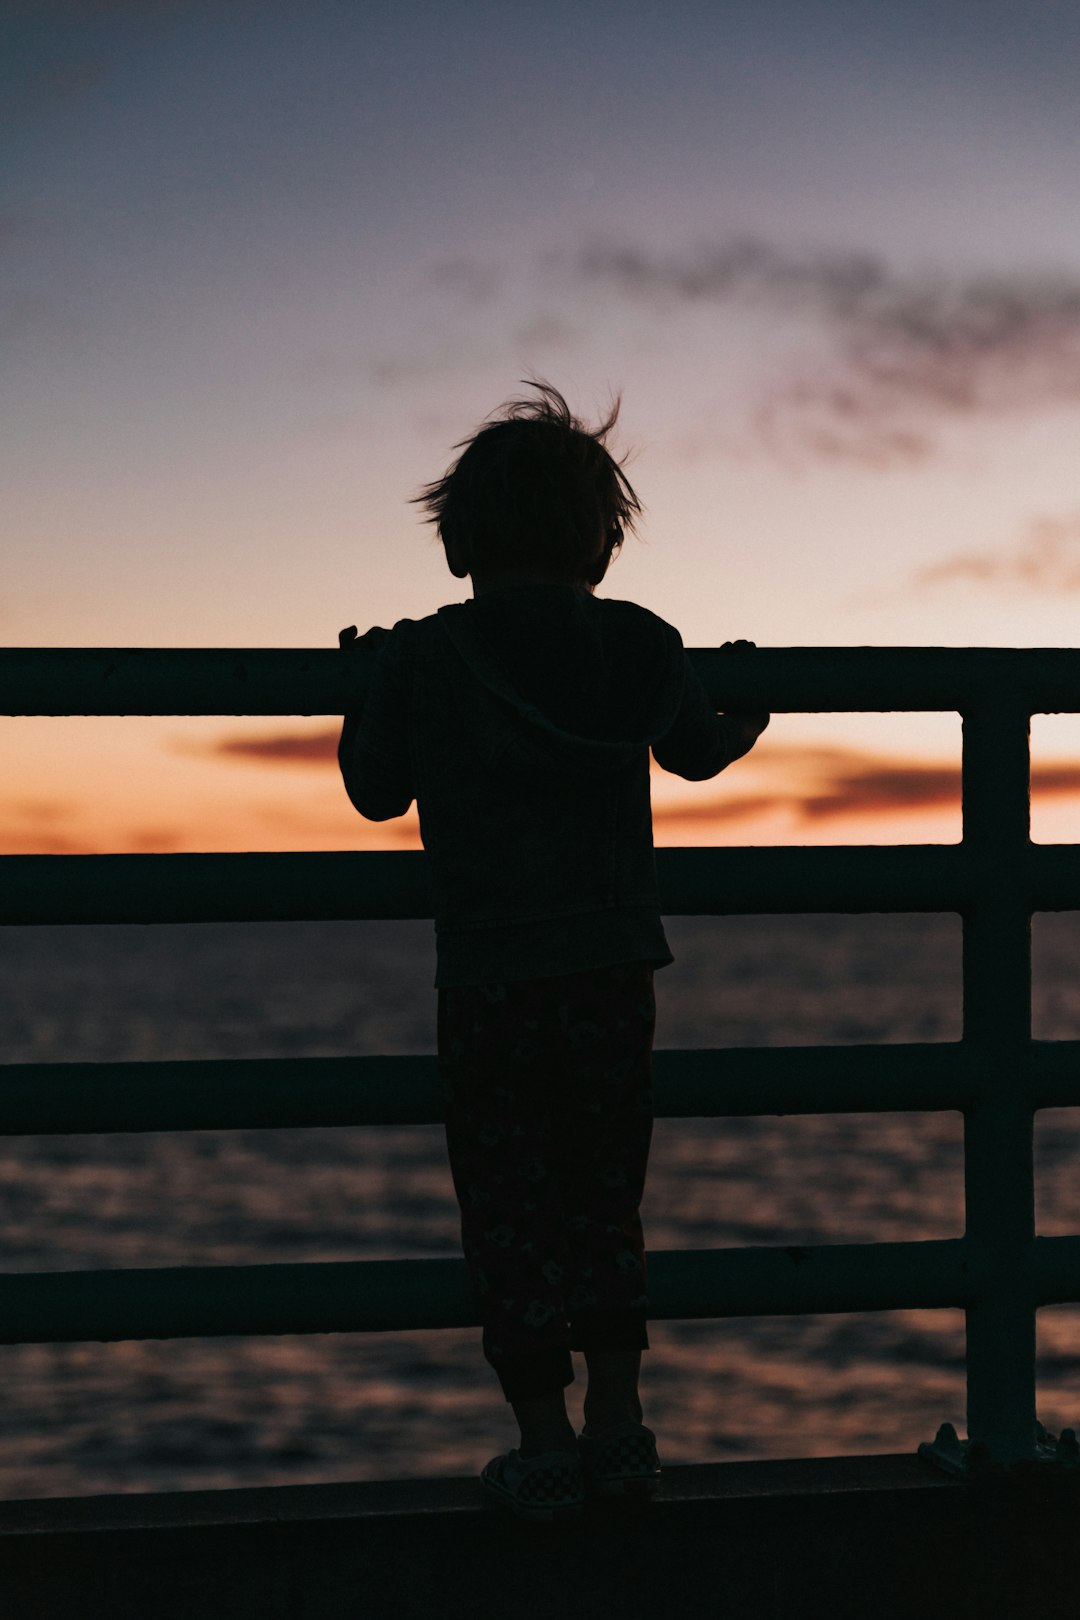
[{"x": 262, "y": 264}]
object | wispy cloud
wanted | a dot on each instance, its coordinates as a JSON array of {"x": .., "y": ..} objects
[
  {"x": 546, "y": 331},
  {"x": 818, "y": 784},
  {"x": 909, "y": 354},
  {"x": 41, "y": 825},
  {"x": 466, "y": 279},
  {"x": 1046, "y": 559},
  {"x": 815, "y": 785},
  {"x": 279, "y": 748},
  {"x": 736, "y": 807},
  {"x": 872, "y": 788}
]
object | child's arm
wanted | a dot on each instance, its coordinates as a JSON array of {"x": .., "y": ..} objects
[
  {"x": 702, "y": 743},
  {"x": 373, "y": 753}
]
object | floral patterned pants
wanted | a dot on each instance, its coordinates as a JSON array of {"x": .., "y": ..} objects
[{"x": 547, "y": 1091}]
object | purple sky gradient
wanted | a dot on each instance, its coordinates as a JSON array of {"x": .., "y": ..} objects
[{"x": 261, "y": 265}]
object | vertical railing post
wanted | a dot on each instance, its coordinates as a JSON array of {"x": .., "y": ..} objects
[{"x": 998, "y": 1166}]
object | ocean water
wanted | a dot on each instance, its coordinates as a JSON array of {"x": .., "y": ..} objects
[{"x": 186, "y": 1414}]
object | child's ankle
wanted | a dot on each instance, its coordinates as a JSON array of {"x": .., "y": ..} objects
[
  {"x": 596, "y": 1423},
  {"x": 534, "y": 1442},
  {"x": 543, "y": 1448}
]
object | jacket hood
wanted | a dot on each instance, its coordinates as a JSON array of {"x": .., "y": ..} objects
[{"x": 581, "y": 684}]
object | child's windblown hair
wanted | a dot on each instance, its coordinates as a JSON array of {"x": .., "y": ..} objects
[{"x": 535, "y": 489}]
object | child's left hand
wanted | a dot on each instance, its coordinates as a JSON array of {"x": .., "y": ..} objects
[
  {"x": 370, "y": 641},
  {"x": 753, "y": 723}
]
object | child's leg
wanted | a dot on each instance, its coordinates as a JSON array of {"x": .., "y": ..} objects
[
  {"x": 544, "y": 1423},
  {"x": 547, "y": 1089},
  {"x": 497, "y": 1093},
  {"x": 613, "y": 1387},
  {"x": 605, "y": 1149}
]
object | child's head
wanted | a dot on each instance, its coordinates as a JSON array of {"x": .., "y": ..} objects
[{"x": 533, "y": 492}]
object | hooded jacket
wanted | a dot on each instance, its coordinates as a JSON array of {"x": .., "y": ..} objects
[{"x": 521, "y": 723}]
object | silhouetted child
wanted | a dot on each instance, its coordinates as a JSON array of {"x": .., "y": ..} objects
[{"x": 521, "y": 722}]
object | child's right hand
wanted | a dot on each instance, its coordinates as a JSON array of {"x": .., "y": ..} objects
[
  {"x": 349, "y": 641},
  {"x": 748, "y": 728}
]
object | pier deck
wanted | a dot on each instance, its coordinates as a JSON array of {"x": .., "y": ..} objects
[{"x": 876, "y": 1537}]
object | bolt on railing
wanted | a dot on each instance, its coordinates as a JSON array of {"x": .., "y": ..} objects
[{"x": 999, "y": 1272}]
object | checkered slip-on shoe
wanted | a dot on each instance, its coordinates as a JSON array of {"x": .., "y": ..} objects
[
  {"x": 547, "y": 1486},
  {"x": 620, "y": 1460}
]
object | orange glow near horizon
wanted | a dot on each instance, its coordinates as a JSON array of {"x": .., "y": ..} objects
[{"x": 142, "y": 785}]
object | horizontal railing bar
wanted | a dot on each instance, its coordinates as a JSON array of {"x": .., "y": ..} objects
[
  {"x": 320, "y": 681},
  {"x": 729, "y": 1082},
  {"x": 177, "y": 1302},
  {"x": 1054, "y": 1069},
  {"x": 374, "y": 885},
  {"x": 346, "y": 885},
  {"x": 1056, "y": 1270},
  {"x": 702, "y": 881},
  {"x": 390, "y": 1296},
  {"x": 217, "y": 1094},
  {"x": 812, "y": 680},
  {"x": 388, "y": 884},
  {"x": 1051, "y": 876},
  {"x": 224, "y": 1094},
  {"x": 209, "y": 1094},
  {"x": 395, "y": 884},
  {"x": 166, "y": 680},
  {"x": 826, "y": 1278}
]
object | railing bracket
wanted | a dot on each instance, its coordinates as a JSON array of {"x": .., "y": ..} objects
[{"x": 973, "y": 1459}]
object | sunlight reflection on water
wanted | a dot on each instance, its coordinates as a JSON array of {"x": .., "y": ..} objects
[{"x": 192, "y": 1413}]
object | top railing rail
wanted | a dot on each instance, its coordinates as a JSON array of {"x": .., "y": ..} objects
[{"x": 291, "y": 681}]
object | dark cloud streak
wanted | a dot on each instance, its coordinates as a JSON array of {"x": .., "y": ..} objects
[
  {"x": 812, "y": 783},
  {"x": 910, "y": 353},
  {"x": 863, "y": 789},
  {"x": 281, "y": 748}
]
